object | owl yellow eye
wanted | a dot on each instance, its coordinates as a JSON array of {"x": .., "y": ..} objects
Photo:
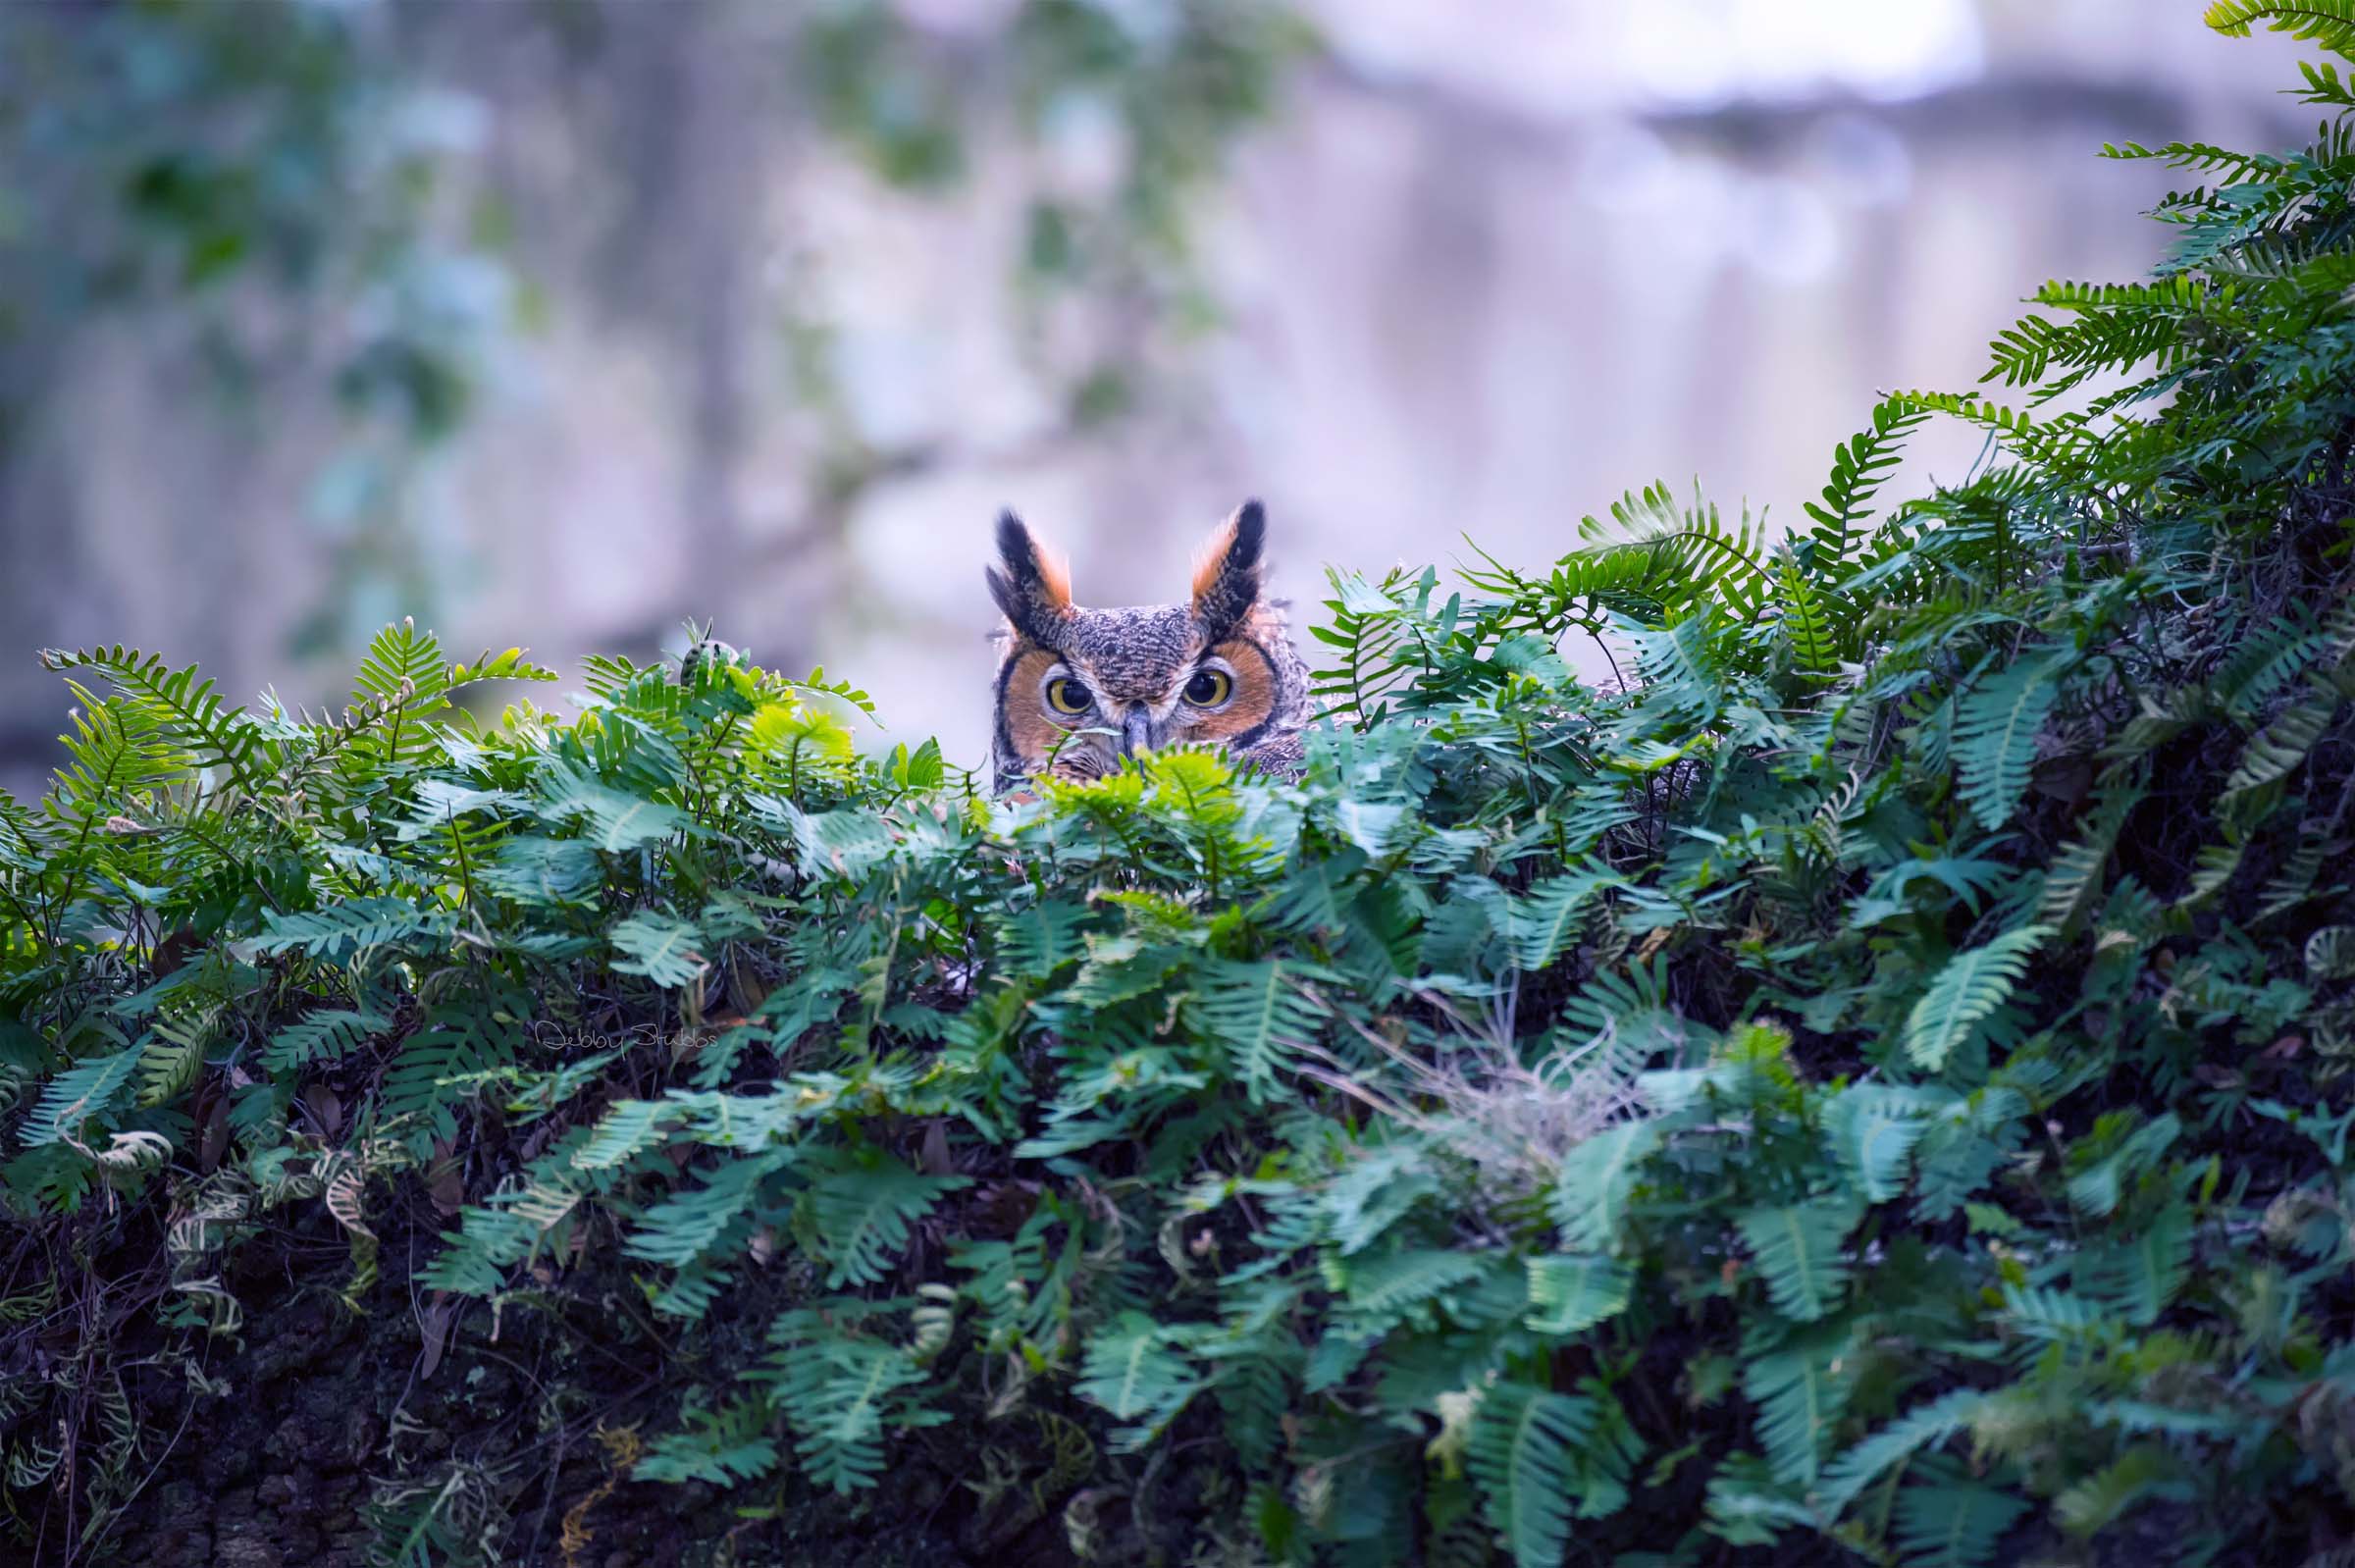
[
  {"x": 1068, "y": 695},
  {"x": 1209, "y": 688}
]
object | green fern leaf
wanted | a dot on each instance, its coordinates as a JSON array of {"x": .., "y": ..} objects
[
  {"x": 339, "y": 931},
  {"x": 1953, "y": 1524},
  {"x": 324, "y": 1034},
  {"x": 183, "y": 708},
  {"x": 1135, "y": 1369},
  {"x": 1389, "y": 1285},
  {"x": 842, "y": 1393},
  {"x": 861, "y": 1210},
  {"x": 173, "y": 1051},
  {"x": 2277, "y": 750},
  {"x": 1965, "y": 993},
  {"x": 79, "y": 1096},
  {"x": 1591, "y": 1189},
  {"x": 661, "y": 947},
  {"x": 1800, "y": 1395},
  {"x": 1798, "y": 1248},
  {"x": 1258, "y": 1016},
  {"x": 1570, "y": 1294},
  {"x": 1522, "y": 1453},
  {"x": 2103, "y": 1497},
  {"x": 2138, "y": 1276},
  {"x": 1806, "y": 619},
  {"x": 1996, "y": 725},
  {"x": 1872, "y": 1129},
  {"x": 1923, "y": 1427},
  {"x": 617, "y": 819},
  {"x": 2328, "y": 22},
  {"x": 1548, "y": 919}
]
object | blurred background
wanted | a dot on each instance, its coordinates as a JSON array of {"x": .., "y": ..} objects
[{"x": 563, "y": 322}]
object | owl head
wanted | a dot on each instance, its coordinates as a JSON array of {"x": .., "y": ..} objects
[{"x": 1078, "y": 690}]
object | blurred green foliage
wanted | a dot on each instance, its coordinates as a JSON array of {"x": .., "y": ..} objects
[{"x": 299, "y": 189}]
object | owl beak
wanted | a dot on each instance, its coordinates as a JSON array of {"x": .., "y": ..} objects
[{"x": 1136, "y": 732}]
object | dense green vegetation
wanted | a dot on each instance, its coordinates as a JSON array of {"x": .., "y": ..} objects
[{"x": 1872, "y": 1085}]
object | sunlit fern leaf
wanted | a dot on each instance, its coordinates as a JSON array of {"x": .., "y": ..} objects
[
  {"x": 1965, "y": 993},
  {"x": 1570, "y": 1293},
  {"x": 183, "y": 709},
  {"x": 1523, "y": 1453},
  {"x": 405, "y": 666},
  {"x": 114, "y": 750},
  {"x": 1860, "y": 465},
  {"x": 1800, "y": 1252},
  {"x": 1804, "y": 617},
  {"x": 1996, "y": 725},
  {"x": 1800, "y": 1394},
  {"x": 862, "y": 1206},
  {"x": 2328, "y": 22},
  {"x": 173, "y": 1051}
]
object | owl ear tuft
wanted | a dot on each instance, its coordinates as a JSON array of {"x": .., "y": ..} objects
[
  {"x": 1031, "y": 587},
  {"x": 1227, "y": 573}
]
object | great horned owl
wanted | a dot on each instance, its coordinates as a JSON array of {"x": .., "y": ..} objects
[{"x": 1077, "y": 690}]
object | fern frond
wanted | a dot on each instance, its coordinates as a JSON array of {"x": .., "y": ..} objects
[
  {"x": 1996, "y": 725},
  {"x": 1568, "y": 1294},
  {"x": 186, "y": 710},
  {"x": 1953, "y": 1524},
  {"x": 1799, "y": 1395},
  {"x": 324, "y": 1034},
  {"x": 861, "y": 1207},
  {"x": 337, "y": 930},
  {"x": 1923, "y": 1427},
  {"x": 1800, "y": 1252},
  {"x": 661, "y": 947},
  {"x": 1597, "y": 1177},
  {"x": 1258, "y": 1016},
  {"x": 1135, "y": 1370},
  {"x": 1965, "y": 993},
  {"x": 2328, "y": 22},
  {"x": 1523, "y": 1453},
  {"x": 77, "y": 1096}
]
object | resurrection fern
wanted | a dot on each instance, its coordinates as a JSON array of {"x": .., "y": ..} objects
[
  {"x": 1965, "y": 992},
  {"x": 1868, "y": 1082},
  {"x": 1522, "y": 1452}
]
